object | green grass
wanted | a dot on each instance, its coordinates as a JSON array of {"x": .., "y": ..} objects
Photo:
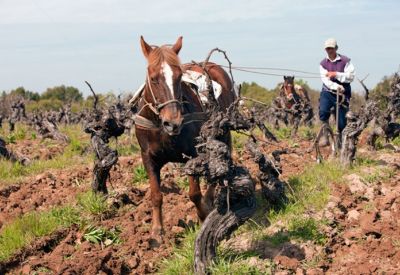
[
  {"x": 25, "y": 229},
  {"x": 125, "y": 145},
  {"x": 93, "y": 203},
  {"x": 396, "y": 141},
  {"x": 282, "y": 133},
  {"x": 311, "y": 193},
  {"x": 361, "y": 161},
  {"x": 238, "y": 141},
  {"x": 378, "y": 175},
  {"x": 299, "y": 229},
  {"x": 307, "y": 133},
  {"x": 183, "y": 256},
  {"x": 79, "y": 140},
  {"x": 379, "y": 143},
  {"x": 73, "y": 154},
  {"x": 183, "y": 183},
  {"x": 139, "y": 174},
  {"x": 13, "y": 172},
  {"x": 19, "y": 133},
  {"x": 311, "y": 190},
  {"x": 100, "y": 235},
  {"x": 228, "y": 261},
  {"x": 128, "y": 150},
  {"x": 42, "y": 270},
  {"x": 234, "y": 264}
]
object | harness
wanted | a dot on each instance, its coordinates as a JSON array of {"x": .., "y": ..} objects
[
  {"x": 155, "y": 107},
  {"x": 289, "y": 101}
]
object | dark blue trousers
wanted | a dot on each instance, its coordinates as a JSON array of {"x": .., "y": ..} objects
[{"x": 327, "y": 101}]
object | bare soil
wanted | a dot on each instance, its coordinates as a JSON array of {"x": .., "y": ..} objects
[{"x": 364, "y": 230}]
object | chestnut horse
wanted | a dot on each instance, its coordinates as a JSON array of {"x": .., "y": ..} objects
[{"x": 164, "y": 134}]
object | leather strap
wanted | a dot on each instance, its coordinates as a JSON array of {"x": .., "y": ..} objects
[{"x": 145, "y": 123}]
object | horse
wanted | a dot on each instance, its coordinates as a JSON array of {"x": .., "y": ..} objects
[
  {"x": 292, "y": 105},
  {"x": 166, "y": 125}
]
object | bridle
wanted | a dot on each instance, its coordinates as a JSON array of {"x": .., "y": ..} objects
[
  {"x": 156, "y": 106},
  {"x": 289, "y": 95}
]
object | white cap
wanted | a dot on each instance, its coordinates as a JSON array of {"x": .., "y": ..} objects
[{"x": 330, "y": 43}]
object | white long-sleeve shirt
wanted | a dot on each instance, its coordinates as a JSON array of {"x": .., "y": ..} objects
[{"x": 345, "y": 77}]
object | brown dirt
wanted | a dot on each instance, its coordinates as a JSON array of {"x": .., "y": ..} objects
[
  {"x": 55, "y": 188},
  {"x": 37, "y": 149},
  {"x": 68, "y": 253},
  {"x": 292, "y": 163},
  {"x": 42, "y": 191},
  {"x": 73, "y": 255},
  {"x": 363, "y": 230},
  {"x": 363, "y": 242},
  {"x": 366, "y": 239}
]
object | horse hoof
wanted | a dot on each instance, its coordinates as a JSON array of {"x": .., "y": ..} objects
[
  {"x": 201, "y": 217},
  {"x": 155, "y": 242},
  {"x": 203, "y": 214},
  {"x": 156, "y": 238}
]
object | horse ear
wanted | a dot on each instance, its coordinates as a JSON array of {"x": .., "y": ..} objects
[
  {"x": 284, "y": 77},
  {"x": 178, "y": 45},
  {"x": 146, "y": 48}
]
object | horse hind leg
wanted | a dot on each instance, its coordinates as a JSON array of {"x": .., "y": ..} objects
[{"x": 203, "y": 204}]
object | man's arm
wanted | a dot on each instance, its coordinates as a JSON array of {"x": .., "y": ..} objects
[
  {"x": 348, "y": 75},
  {"x": 326, "y": 80}
]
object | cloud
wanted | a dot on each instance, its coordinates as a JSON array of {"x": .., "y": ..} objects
[{"x": 155, "y": 11}]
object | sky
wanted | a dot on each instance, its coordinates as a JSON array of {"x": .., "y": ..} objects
[{"x": 44, "y": 43}]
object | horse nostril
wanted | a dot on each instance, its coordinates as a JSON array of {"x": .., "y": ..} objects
[
  {"x": 169, "y": 126},
  {"x": 166, "y": 124}
]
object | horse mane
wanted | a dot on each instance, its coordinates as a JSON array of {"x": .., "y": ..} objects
[{"x": 163, "y": 54}]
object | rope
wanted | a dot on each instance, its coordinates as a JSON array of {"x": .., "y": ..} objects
[
  {"x": 264, "y": 73},
  {"x": 274, "y": 69}
]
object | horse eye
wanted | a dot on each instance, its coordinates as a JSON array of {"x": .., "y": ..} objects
[{"x": 154, "y": 80}]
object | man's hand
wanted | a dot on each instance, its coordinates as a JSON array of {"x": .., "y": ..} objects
[
  {"x": 331, "y": 74},
  {"x": 340, "y": 89}
]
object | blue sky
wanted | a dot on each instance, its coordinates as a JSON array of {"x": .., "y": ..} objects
[{"x": 44, "y": 43}]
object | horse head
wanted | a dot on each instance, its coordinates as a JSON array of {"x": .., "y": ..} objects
[
  {"x": 288, "y": 86},
  {"x": 163, "y": 92}
]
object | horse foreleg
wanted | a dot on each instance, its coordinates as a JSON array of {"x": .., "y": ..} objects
[
  {"x": 296, "y": 123},
  {"x": 202, "y": 204},
  {"x": 153, "y": 173},
  {"x": 276, "y": 123},
  {"x": 209, "y": 197}
]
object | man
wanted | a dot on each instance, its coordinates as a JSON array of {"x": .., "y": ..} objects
[{"x": 337, "y": 72}]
